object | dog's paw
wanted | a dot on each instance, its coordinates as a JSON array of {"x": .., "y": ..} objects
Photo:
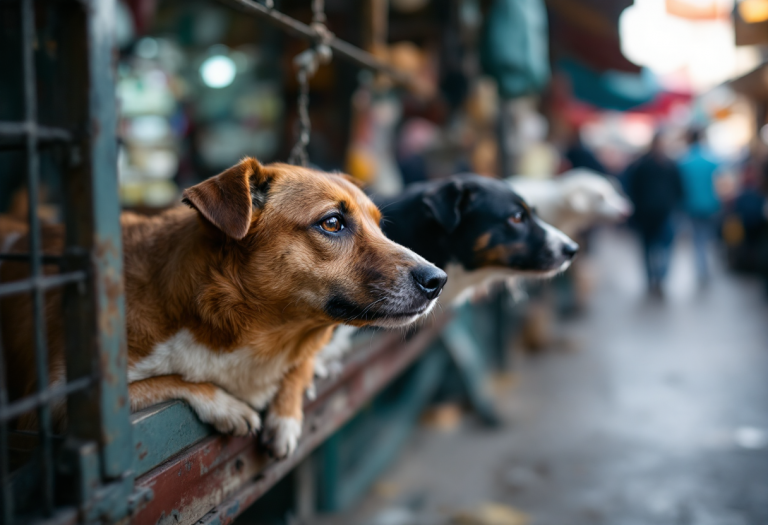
[
  {"x": 281, "y": 435},
  {"x": 311, "y": 391},
  {"x": 335, "y": 368},
  {"x": 227, "y": 414},
  {"x": 328, "y": 368},
  {"x": 321, "y": 370}
]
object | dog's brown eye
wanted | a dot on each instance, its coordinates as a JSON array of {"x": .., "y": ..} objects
[
  {"x": 332, "y": 225},
  {"x": 516, "y": 218}
]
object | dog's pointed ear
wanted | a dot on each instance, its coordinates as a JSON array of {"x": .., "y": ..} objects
[
  {"x": 447, "y": 203},
  {"x": 227, "y": 200}
]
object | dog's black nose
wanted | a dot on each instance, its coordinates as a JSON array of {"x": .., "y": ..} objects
[
  {"x": 429, "y": 279},
  {"x": 570, "y": 249}
]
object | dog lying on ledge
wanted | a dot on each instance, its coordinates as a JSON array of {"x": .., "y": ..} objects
[{"x": 229, "y": 299}]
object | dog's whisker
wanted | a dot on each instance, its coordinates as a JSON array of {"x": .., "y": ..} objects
[{"x": 365, "y": 310}]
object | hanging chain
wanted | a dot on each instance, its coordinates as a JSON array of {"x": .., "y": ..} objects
[
  {"x": 307, "y": 63},
  {"x": 318, "y": 12},
  {"x": 298, "y": 154}
]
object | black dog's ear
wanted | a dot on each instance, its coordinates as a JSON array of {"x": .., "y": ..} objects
[
  {"x": 227, "y": 200},
  {"x": 447, "y": 203}
]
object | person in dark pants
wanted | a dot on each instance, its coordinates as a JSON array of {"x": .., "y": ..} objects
[{"x": 654, "y": 185}]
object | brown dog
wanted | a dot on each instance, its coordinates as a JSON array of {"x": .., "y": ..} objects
[{"x": 228, "y": 302}]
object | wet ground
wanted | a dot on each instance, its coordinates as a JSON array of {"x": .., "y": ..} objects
[{"x": 656, "y": 414}]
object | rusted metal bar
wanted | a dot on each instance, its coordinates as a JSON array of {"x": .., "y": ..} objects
[
  {"x": 44, "y": 282},
  {"x": 21, "y": 130},
  {"x": 38, "y": 297},
  {"x": 13, "y": 410},
  {"x": 25, "y": 257},
  {"x": 231, "y": 473},
  {"x": 6, "y": 496},
  {"x": 106, "y": 241},
  {"x": 341, "y": 49}
]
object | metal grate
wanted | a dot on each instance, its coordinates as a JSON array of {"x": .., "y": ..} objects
[
  {"x": 77, "y": 474},
  {"x": 28, "y": 135}
]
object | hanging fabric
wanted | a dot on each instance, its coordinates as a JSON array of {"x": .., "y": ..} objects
[{"x": 514, "y": 48}]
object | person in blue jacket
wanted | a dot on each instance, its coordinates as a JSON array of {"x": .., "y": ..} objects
[{"x": 701, "y": 203}]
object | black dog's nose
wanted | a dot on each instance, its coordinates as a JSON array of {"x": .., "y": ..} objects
[
  {"x": 430, "y": 280},
  {"x": 570, "y": 249}
]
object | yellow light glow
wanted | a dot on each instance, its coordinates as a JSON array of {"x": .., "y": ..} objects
[{"x": 753, "y": 11}]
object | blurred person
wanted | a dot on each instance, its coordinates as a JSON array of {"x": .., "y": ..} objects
[
  {"x": 701, "y": 202},
  {"x": 655, "y": 188},
  {"x": 581, "y": 156},
  {"x": 416, "y": 137}
]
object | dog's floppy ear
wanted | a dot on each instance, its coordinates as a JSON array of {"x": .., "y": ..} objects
[
  {"x": 227, "y": 200},
  {"x": 354, "y": 180},
  {"x": 446, "y": 203}
]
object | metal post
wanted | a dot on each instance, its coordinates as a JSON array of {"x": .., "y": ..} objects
[
  {"x": 38, "y": 301},
  {"x": 107, "y": 253},
  {"x": 6, "y": 497}
]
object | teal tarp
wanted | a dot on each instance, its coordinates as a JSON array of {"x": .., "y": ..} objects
[
  {"x": 611, "y": 89},
  {"x": 514, "y": 47}
]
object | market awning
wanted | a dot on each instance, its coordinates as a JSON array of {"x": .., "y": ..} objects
[
  {"x": 754, "y": 84},
  {"x": 587, "y": 31},
  {"x": 610, "y": 89}
]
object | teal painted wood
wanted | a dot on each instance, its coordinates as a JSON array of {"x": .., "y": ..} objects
[
  {"x": 343, "y": 480},
  {"x": 162, "y": 431},
  {"x": 467, "y": 355}
]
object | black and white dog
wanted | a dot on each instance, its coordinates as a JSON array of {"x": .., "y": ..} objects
[{"x": 476, "y": 229}]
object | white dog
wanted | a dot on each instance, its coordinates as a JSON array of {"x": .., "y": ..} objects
[{"x": 574, "y": 201}]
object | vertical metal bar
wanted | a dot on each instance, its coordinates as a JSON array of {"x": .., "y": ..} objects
[
  {"x": 107, "y": 255},
  {"x": 38, "y": 297},
  {"x": 6, "y": 499},
  {"x": 83, "y": 408}
]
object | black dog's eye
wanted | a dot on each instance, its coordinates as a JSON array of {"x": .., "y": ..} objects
[
  {"x": 332, "y": 224},
  {"x": 517, "y": 217}
]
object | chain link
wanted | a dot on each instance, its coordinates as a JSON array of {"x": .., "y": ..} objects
[
  {"x": 307, "y": 63},
  {"x": 318, "y": 11},
  {"x": 298, "y": 154}
]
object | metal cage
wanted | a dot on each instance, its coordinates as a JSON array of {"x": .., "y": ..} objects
[
  {"x": 58, "y": 116},
  {"x": 57, "y": 102}
]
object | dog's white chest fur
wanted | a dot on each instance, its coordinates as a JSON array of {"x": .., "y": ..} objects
[{"x": 240, "y": 372}]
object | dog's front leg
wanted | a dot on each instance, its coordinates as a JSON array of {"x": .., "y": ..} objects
[
  {"x": 211, "y": 404},
  {"x": 282, "y": 428}
]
